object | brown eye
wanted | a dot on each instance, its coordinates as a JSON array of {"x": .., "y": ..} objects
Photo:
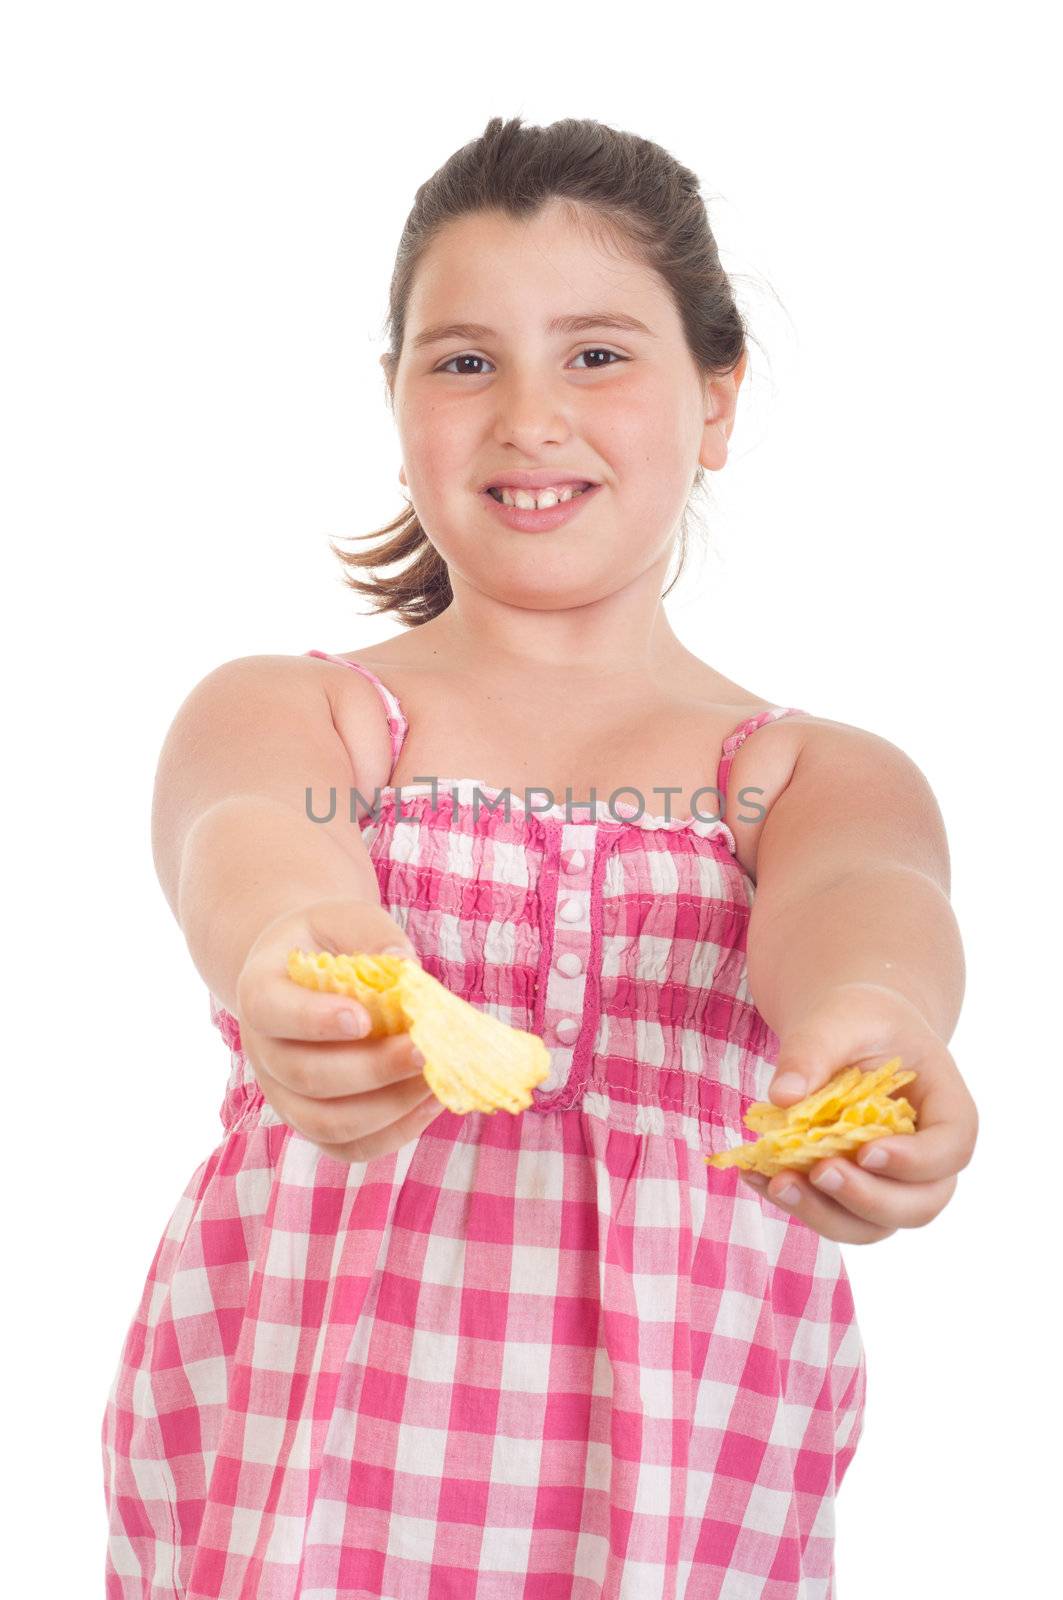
[
  {"x": 594, "y": 350},
  {"x": 452, "y": 360},
  {"x": 599, "y": 352}
]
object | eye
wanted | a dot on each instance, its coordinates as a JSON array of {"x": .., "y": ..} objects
[
  {"x": 589, "y": 350},
  {"x": 596, "y": 351}
]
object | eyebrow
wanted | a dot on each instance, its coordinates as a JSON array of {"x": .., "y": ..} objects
[{"x": 572, "y": 324}]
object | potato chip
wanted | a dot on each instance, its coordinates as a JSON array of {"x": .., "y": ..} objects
[
  {"x": 473, "y": 1061},
  {"x": 836, "y": 1119}
]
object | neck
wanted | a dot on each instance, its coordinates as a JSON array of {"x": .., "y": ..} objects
[{"x": 606, "y": 642}]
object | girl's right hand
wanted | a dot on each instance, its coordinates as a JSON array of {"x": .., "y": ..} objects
[{"x": 355, "y": 1098}]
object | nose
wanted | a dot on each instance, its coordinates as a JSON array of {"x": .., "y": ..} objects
[{"x": 531, "y": 411}]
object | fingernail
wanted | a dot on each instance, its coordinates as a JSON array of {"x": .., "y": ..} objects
[
  {"x": 790, "y": 1083},
  {"x": 830, "y": 1179},
  {"x": 418, "y": 1058},
  {"x": 402, "y": 950},
  {"x": 756, "y": 1179},
  {"x": 872, "y": 1156},
  {"x": 789, "y": 1196},
  {"x": 355, "y": 1024}
]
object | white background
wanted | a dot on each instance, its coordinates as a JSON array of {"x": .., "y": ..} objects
[{"x": 202, "y": 205}]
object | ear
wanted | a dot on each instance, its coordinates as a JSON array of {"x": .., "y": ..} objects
[{"x": 720, "y": 400}]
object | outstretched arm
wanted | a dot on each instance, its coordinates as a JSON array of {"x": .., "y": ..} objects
[{"x": 854, "y": 956}]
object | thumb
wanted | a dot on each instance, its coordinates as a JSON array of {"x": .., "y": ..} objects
[
  {"x": 400, "y": 948},
  {"x": 845, "y": 1027},
  {"x": 377, "y": 933},
  {"x": 393, "y": 941},
  {"x": 810, "y": 1053},
  {"x": 349, "y": 924}
]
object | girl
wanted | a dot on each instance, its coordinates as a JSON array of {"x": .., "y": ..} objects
[{"x": 388, "y": 1350}]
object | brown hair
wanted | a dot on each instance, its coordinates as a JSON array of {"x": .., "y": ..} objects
[{"x": 626, "y": 189}]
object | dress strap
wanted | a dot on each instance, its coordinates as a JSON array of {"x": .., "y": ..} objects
[
  {"x": 397, "y": 724},
  {"x": 734, "y": 741}
]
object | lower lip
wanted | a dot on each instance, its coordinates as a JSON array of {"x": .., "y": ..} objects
[{"x": 539, "y": 521}]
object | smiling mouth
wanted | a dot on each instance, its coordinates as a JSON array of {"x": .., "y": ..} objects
[{"x": 568, "y": 492}]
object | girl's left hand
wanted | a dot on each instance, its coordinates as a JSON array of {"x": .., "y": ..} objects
[{"x": 900, "y": 1180}]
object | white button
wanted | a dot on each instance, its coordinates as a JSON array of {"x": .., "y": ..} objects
[
  {"x": 567, "y": 1029},
  {"x": 572, "y": 910},
  {"x": 570, "y": 964},
  {"x": 574, "y": 861}
]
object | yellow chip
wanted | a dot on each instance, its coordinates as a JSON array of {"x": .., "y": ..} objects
[
  {"x": 473, "y": 1061},
  {"x": 836, "y": 1119},
  {"x": 371, "y": 980}
]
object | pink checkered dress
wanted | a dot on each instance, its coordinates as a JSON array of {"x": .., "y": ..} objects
[{"x": 551, "y": 1356}]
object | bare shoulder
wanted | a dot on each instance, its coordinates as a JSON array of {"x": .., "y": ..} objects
[
  {"x": 257, "y": 725},
  {"x": 761, "y": 768},
  {"x": 287, "y": 691},
  {"x": 358, "y": 715},
  {"x": 235, "y": 687}
]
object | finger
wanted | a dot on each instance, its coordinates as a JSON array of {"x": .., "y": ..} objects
[
  {"x": 392, "y": 1137},
  {"x": 845, "y": 1031},
  {"x": 329, "y": 1071},
  {"x": 289, "y": 1011},
  {"x": 799, "y": 1074},
  {"x": 887, "y": 1202},
  {"x": 349, "y": 1118},
  {"x": 831, "y": 1220},
  {"x": 944, "y": 1137}
]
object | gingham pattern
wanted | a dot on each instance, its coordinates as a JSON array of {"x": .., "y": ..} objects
[{"x": 551, "y": 1356}]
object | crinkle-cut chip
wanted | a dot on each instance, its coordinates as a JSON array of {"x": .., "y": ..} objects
[
  {"x": 847, "y": 1088},
  {"x": 759, "y": 1156},
  {"x": 473, "y": 1061},
  {"x": 372, "y": 980},
  {"x": 836, "y": 1119}
]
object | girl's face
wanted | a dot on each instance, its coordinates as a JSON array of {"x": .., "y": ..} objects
[{"x": 622, "y": 407}]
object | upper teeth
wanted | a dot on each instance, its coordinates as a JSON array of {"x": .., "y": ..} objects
[{"x": 537, "y": 501}]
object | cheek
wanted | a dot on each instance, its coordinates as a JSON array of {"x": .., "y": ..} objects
[
  {"x": 650, "y": 431},
  {"x": 653, "y": 492},
  {"x": 437, "y": 435}
]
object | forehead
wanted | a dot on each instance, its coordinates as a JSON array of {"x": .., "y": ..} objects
[{"x": 524, "y": 269}]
